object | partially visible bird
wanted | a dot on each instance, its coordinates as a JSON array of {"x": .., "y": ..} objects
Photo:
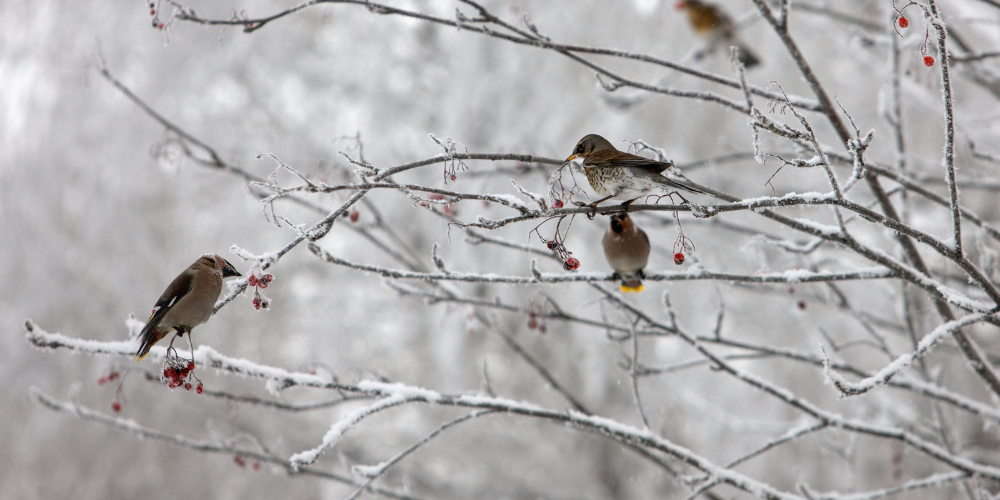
[
  {"x": 187, "y": 302},
  {"x": 710, "y": 21},
  {"x": 627, "y": 249},
  {"x": 617, "y": 175}
]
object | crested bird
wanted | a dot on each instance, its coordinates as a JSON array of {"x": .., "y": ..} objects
[
  {"x": 187, "y": 302},
  {"x": 711, "y": 22},
  {"x": 626, "y": 247},
  {"x": 615, "y": 174}
]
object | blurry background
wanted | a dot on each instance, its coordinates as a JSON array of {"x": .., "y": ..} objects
[{"x": 99, "y": 211}]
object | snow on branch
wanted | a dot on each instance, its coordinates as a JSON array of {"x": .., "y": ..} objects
[
  {"x": 847, "y": 388},
  {"x": 143, "y": 432}
]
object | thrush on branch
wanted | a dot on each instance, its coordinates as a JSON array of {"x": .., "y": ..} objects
[{"x": 614, "y": 174}]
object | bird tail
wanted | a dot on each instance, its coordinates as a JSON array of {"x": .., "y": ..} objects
[
  {"x": 631, "y": 284},
  {"x": 147, "y": 338}
]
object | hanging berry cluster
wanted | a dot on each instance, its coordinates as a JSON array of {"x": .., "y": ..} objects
[
  {"x": 258, "y": 280},
  {"x": 156, "y": 18},
  {"x": 560, "y": 252},
  {"x": 902, "y": 22},
  {"x": 178, "y": 374},
  {"x": 113, "y": 375},
  {"x": 536, "y": 316}
]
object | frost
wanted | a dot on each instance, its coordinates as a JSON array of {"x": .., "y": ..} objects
[{"x": 512, "y": 200}]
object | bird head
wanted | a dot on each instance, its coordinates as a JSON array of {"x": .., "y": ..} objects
[
  {"x": 588, "y": 145},
  {"x": 621, "y": 223},
  {"x": 223, "y": 265}
]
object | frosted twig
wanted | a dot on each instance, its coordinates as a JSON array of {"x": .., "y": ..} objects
[
  {"x": 374, "y": 472},
  {"x": 132, "y": 427},
  {"x": 949, "y": 128}
]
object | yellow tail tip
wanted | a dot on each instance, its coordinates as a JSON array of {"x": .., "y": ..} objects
[{"x": 632, "y": 289}]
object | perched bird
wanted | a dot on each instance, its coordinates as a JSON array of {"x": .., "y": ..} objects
[
  {"x": 627, "y": 249},
  {"x": 618, "y": 175},
  {"x": 708, "y": 20},
  {"x": 187, "y": 302}
]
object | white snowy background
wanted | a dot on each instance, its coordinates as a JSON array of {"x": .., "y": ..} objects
[{"x": 98, "y": 212}]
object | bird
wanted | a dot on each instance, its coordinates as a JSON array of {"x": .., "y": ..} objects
[
  {"x": 619, "y": 175},
  {"x": 187, "y": 302},
  {"x": 626, "y": 247},
  {"x": 710, "y": 21}
]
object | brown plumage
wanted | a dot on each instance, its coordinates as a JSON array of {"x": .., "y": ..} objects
[
  {"x": 614, "y": 174},
  {"x": 187, "y": 302},
  {"x": 710, "y": 21},
  {"x": 627, "y": 249}
]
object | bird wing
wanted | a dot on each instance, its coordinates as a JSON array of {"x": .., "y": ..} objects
[
  {"x": 666, "y": 181},
  {"x": 178, "y": 288},
  {"x": 607, "y": 159}
]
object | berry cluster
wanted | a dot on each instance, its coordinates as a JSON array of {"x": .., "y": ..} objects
[
  {"x": 560, "y": 252},
  {"x": 903, "y": 23},
  {"x": 113, "y": 375},
  {"x": 156, "y": 20},
  {"x": 178, "y": 375},
  {"x": 110, "y": 377},
  {"x": 241, "y": 461},
  {"x": 536, "y": 318},
  {"x": 259, "y": 280}
]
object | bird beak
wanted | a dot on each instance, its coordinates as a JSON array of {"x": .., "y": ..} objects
[
  {"x": 229, "y": 271},
  {"x": 572, "y": 157}
]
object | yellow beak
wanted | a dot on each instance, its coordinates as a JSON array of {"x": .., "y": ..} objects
[{"x": 572, "y": 157}]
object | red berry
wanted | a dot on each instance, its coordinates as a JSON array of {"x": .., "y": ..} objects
[
  {"x": 116, "y": 406},
  {"x": 102, "y": 380},
  {"x": 239, "y": 460},
  {"x": 903, "y": 22},
  {"x": 557, "y": 204},
  {"x": 198, "y": 389},
  {"x": 113, "y": 375},
  {"x": 253, "y": 281},
  {"x": 187, "y": 386},
  {"x": 571, "y": 264},
  {"x": 152, "y": 12},
  {"x": 532, "y": 323},
  {"x": 928, "y": 61},
  {"x": 256, "y": 302},
  {"x": 801, "y": 305},
  {"x": 453, "y": 177},
  {"x": 678, "y": 258},
  {"x": 159, "y": 26},
  {"x": 256, "y": 465},
  {"x": 354, "y": 216},
  {"x": 190, "y": 365},
  {"x": 551, "y": 244},
  {"x": 169, "y": 372}
]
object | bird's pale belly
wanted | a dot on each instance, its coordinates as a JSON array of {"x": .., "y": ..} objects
[{"x": 618, "y": 183}]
